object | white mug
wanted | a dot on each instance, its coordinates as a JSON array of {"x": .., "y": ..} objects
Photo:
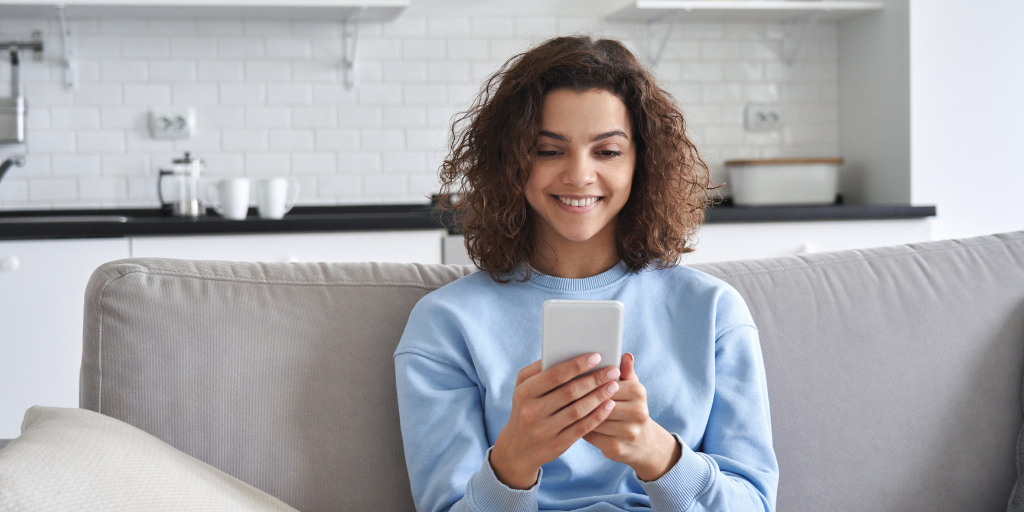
[
  {"x": 230, "y": 197},
  {"x": 275, "y": 196}
]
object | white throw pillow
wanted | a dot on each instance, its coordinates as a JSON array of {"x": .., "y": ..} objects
[{"x": 78, "y": 460}]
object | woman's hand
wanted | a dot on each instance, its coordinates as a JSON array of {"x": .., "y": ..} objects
[
  {"x": 550, "y": 412},
  {"x": 630, "y": 436}
]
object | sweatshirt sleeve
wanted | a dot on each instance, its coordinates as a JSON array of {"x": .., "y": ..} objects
[
  {"x": 735, "y": 468},
  {"x": 446, "y": 447}
]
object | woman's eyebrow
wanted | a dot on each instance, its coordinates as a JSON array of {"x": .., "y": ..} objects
[
  {"x": 611, "y": 134},
  {"x": 552, "y": 135}
]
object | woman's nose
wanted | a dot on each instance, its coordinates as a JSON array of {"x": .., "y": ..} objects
[{"x": 579, "y": 173}]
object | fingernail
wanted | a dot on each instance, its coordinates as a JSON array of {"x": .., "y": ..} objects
[
  {"x": 609, "y": 405},
  {"x": 613, "y": 387},
  {"x": 594, "y": 359},
  {"x": 613, "y": 373}
]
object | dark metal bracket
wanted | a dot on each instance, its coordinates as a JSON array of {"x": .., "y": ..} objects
[{"x": 36, "y": 45}]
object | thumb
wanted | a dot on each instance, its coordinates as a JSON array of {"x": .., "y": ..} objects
[
  {"x": 626, "y": 368},
  {"x": 527, "y": 372}
]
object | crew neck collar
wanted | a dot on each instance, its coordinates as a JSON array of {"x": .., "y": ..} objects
[{"x": 563, "y": 284}]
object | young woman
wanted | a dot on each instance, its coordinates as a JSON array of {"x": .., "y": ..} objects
[{"x": 577, "y": 181}]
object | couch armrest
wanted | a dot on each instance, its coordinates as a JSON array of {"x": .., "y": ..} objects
[{"x": 3, "y": 442}]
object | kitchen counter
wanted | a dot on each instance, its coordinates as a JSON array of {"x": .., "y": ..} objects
[{"x": 57, "y": 224}]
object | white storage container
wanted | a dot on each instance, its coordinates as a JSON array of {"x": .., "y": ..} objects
[{"x": 782, "y": 181}]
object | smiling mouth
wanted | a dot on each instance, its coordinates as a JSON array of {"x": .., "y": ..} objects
[{"x": 572, "y": 201}]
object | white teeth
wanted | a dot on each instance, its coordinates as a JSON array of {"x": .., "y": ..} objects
[{"x": 578, "y": 202}]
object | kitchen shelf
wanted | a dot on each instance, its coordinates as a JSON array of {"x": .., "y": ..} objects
[
  {"x": 743, "y": 10},
  {"x": 296, "y": 10},
  {"x": 56, "y": 224}
]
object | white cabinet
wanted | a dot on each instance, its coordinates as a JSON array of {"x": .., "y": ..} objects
[
  {"x": 413, "y": 246},
  {"x": 744, "y": 241},
  {"x": 42, "y": 286}
]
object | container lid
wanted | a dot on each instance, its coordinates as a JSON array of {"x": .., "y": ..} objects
[
  {"x": 785, "y": 161},
  {"x": 188, "y": 159}
]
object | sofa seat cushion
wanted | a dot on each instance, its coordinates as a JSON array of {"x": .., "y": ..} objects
[{"x": 75, "y": 459}]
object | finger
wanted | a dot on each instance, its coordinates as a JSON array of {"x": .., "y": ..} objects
[
  {"x": 631, "y": 411},
  {"x": 579, "y": 409},
  {"x": 574, "y": 390},
  {"x": 527, "y": 372},
  {"x": 627, "y": 367},
  {"x": 598, "y": 438},
  {"x": 630, "y": 390},
  {"x": 542, "y": 383},
  {"x": 619, "y": 428},
  {"x": 584, "y": 426}
]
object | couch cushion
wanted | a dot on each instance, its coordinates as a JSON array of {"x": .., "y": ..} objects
[
  {"x": 74, "y": 459},
  {"x": 894, "y": 374},
  {"x": 278, "y": 374}
]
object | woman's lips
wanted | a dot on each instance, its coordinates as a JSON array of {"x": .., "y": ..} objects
[{"x": 596, "y": 200}]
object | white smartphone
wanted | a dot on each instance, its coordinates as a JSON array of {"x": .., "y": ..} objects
[{"x": 575, "y": 327}]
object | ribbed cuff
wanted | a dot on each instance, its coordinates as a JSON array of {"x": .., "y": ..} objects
[
  {"x": 487, "y": 493},
  {"x": 688, "y": 479}
]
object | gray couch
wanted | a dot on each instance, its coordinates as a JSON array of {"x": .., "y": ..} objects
[{"x": 894, "y": 374}]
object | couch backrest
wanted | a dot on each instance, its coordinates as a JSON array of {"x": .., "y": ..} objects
[
  {"x": 278, "y": 374},
  {"x": 894, "y": 374}
]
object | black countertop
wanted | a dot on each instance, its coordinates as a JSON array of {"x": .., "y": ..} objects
[{"x": 55, "y": 224}]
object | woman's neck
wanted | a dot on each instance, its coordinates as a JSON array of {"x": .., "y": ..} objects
[{"x": 557, "y": 256}]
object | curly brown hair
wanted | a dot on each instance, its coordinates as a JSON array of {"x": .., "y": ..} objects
[{"x": 488, "y": 164}]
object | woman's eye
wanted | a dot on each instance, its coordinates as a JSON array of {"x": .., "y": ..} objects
[
  {"x": 547, "y": 153},
  {"x": 609, "y": 152}
]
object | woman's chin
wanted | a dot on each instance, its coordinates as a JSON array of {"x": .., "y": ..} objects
[{"x": 579, "y": 235}]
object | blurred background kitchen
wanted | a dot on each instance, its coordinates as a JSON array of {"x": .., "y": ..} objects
[{"x": 921, "y": 99}]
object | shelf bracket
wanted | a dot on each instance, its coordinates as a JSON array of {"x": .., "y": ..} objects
[
  {"x": 350, "y": 36},
  {"x": 70, "y": 57},
  {"x": 794, "y": 35},
  {"x": 37, "y": 45},
  {"x": 656, "y": 42}
]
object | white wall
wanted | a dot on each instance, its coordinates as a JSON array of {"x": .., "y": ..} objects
[
  {"x": 270, "y": 100},
  {"x": 967, "y": 113}
]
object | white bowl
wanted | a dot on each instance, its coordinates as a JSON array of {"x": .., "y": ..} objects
[{"x": 783, "y": 181}]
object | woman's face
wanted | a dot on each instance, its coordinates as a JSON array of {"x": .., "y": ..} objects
[{"x": 582, "y": 165}]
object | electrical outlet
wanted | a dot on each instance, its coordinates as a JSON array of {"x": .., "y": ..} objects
[
  {"x": 172, "y": 123},
  {"x": 761, "y": 118}
]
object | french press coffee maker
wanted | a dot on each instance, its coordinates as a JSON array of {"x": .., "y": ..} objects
[{"x": 185, "y": 175}]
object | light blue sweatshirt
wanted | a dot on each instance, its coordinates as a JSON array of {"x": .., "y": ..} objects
[{"x": 697, "y": 354}]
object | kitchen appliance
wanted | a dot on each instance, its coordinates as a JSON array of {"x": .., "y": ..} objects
[
  {"x": 185, "y": 175},
  {"x": 783, "y": 181},
  {"x": 12, "y": 109}
]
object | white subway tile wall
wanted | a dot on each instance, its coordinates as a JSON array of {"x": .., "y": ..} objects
[{"x": 270, "y": 101}]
